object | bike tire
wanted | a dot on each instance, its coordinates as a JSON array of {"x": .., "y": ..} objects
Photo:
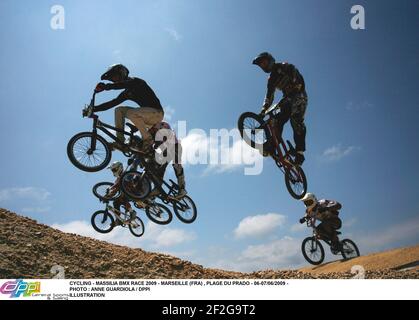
[
  {"x": 128, "y": 187},
  {"x": 178, "y": 211},
  {"x": 309, "y": 241},
  {"x": 152, "y": 216},
  {"x": 289, "y": 184},
  {"x": 100, "y": 195},
  {"x": 77, "y": 161},
  {"x": 345, "y": 255},
  {"x": 106, "y": 217},
  {"x": 241, "y": 126},
  {"x": 139, "y": 230}
]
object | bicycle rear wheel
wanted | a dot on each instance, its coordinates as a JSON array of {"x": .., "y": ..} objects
[
  {"x": 83, "y": 157},
  {"x": 349, "y": 249},
  {"x": 296, "y": 182},
  {"x": 185, "y": 209},
  {"x": 136, "y": 227},
  {"x": 251, "y": 130}
]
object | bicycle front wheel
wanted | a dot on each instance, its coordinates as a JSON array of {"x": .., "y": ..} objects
[
  {"x": 313, "y": 251},
  {"x": 89, "y": 152},
  {"x": 251, "y": 130},
  {"x": 185, "y": 209},
  {"x": 102, "y": 221}
]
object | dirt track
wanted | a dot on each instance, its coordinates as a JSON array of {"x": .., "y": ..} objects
[{"x": 29, "y": 250}]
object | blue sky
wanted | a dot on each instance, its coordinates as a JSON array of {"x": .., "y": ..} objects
[{"x": 361, "y": 119}]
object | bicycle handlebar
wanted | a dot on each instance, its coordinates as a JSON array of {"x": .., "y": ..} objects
[{"x": 88, "y": 110}]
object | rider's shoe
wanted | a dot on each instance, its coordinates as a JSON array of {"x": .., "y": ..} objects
[
  {"x": 117, "y": 223},
  {"x": 335, "y": 245},
  {"x": 299, "y": 158},
  {"x": 181, "y": 193},
  {"x": 117, "y": 146},
  {"x": 137, "y": 148},
  {"x": 266, "y": 150},
  {"x": 154, "y": 193},
  {"x": 132, "y": 215},
  {"x": 147, "y": 146},
  {"x": 140, "y": 204}
]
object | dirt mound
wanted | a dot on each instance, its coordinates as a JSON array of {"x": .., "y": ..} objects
[
  {"x": 29, "y": 250},
  {"x": 398, "y": 259}
]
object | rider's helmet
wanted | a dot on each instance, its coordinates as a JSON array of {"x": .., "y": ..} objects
[
  {"x": 116, "y": 168},
  {"x": 262, "y": 57},
  {"x": 118, "y": 70},
  {"x": 310, "y": 201}
]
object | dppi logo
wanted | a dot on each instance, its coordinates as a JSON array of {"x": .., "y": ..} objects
[{"x": 19, "y": 287}]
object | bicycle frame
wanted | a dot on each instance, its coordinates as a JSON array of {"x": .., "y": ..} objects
[
  {"x": 159, "y": 182},
  {"x": 311, "y": 223},
  {"x": 99, "y": 125},
  {"x": 119, "y": 214},
  {"x": 282, "y": 152},
  {"x": 166, "y": 196}
]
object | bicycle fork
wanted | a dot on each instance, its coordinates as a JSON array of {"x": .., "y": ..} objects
[{"x": 93, "y": 140}]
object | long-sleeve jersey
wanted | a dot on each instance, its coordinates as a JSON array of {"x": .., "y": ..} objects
[
  {"x": 284, "y": 77},
  {"x": 135, "y": 89}
]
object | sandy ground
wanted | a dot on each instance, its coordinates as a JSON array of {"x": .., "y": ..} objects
[
  {"x": 398, "y": 259},
  {"x": 29, "y": 250}
]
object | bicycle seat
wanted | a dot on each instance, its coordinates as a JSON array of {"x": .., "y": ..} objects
[{"x": 132, "y": 128}]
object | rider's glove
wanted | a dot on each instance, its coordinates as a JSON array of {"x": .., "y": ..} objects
[
  {"x": 302, "y": 220},
  {"x": 87, "y": 112},
  {"x": 100, "y": 87},
  {"x": 263, "y": 110},
  {"x": 266, "y": 106}
]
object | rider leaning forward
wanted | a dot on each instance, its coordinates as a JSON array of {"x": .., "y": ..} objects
[
  {"x": 149, "y": 112},
  {"x": 326, "y": 211}
]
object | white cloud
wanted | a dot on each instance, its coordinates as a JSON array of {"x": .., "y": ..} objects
[
  {"x": 298, "y": 227},
  {"x": 154, "y": 237},
  {"x": 259, "y": 225},
  {"x": 27, "y": 193},
  {"x": 405, "y": 232},
  {"x": 174, "y": 34},
  {"x": 350, "y": 222},
  {"x": 338, "y": 152},
  {"x": 168, "y": 113},
  {"x": 282, "y": 253},
  {"x": 222, "y": 153},
  {"x": 172, "y": 237}
]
